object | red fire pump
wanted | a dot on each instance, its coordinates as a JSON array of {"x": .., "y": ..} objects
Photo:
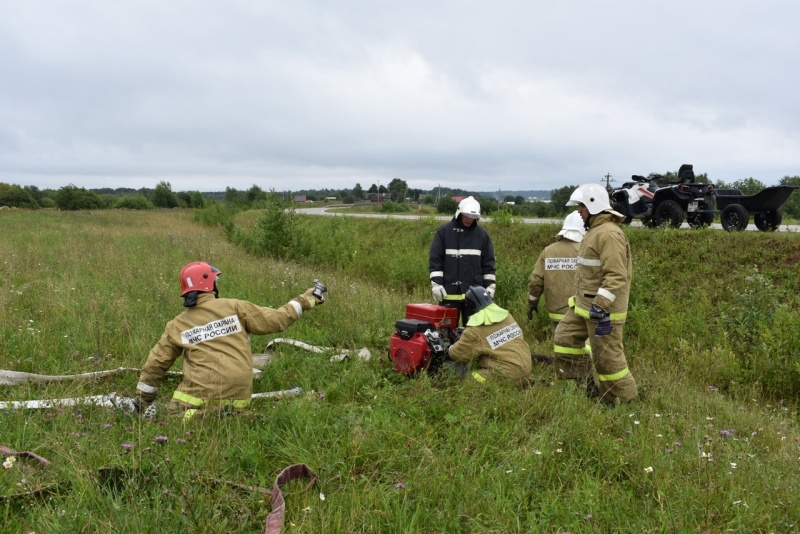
[{"x": 420, "y": 341}]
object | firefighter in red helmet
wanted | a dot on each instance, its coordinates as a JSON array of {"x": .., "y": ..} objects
[{"x": 212, "y": 334}]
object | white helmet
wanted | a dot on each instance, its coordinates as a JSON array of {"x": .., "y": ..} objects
[
  {"x": 573, "y": 228},
  {"x": 593, "y": 196},
  {"x": 468, "y": 207}
]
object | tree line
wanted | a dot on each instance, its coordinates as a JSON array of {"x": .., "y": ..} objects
[{"x": 396, "y": 195}]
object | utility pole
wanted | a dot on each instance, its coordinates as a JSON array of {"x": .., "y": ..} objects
[{"x": 609, "y": 179}]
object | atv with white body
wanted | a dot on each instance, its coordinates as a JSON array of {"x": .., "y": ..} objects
[{"x": 666, "y": 205}]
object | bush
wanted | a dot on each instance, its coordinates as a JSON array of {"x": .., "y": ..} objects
[
  {"x": 14, "y": 196},
  {"x": 133, "y": 202},
  {"x": 72, "y": 198},
  {"x": 394, "y": 207}
]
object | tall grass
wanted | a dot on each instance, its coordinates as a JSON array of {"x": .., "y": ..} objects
[{"x": 712, "y": 445}]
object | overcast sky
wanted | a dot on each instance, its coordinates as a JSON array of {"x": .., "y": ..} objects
[{"x": 486, "y": 96}]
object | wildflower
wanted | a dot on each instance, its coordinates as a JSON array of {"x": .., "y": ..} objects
[
  {"x": 733, "y": 465},
  {"x": 558, "y": 450},
  {"x": 107, "y": 425},
  {"x": 509, "y": 471},
  {"x": 537, "y": 452},
  {"x": 127, "y": 446},
  {"x": 181, "y": 441},
  {"x": 726, "y": 433},
  {"x": 648, "y": 469},
  {"x": 161, "y": 439},
  {"x": 321, "y": 496},
  {"x": 636, "y": 422},
  {"x": 9, "y": 463},
  {"x": 399, "y": 485},
  {"x": 712, "y": 388}
]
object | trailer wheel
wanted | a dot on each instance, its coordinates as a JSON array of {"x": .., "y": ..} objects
[
  {"x": 622, "y": 209},
  {"x": 668, "y": 212},
  {"x": 734, "y": 218},
  {"x": 768, "y": 221}
]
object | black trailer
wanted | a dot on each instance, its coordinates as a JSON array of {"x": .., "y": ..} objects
[{"x": 735, "y": 208}]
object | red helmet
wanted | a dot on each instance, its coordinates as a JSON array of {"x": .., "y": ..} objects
[{"x": 198, "y": 276}]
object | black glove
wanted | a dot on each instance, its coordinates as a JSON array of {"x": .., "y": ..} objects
[
  {"x": 533, "y": 307},
  {"x": 602, "y": 318}
]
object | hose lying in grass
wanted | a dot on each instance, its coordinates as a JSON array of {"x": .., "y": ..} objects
[
  {"x": 15, "y": 378},
  {"x": 112, "y": 400}
]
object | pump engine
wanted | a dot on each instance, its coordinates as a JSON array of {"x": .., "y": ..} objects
[{"x": 420, "y": 341}]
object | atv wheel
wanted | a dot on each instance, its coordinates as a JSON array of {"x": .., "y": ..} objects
[
  {"x": 669, "y": 212},
  {"x": 621, "y": 208},
  {"x": 700, "y": 220},
  {"x": 768, "y": 221},
  {"x": 734, "y": 218}
]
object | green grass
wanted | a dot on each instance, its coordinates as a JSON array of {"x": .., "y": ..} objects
[{"x": 711, "y": 341}]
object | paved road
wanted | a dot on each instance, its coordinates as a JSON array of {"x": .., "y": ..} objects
[{"x": 324, "y": 210}]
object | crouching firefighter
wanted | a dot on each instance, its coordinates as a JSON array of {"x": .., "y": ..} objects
[
  {"x": 212, "y": 334},
  {"x": 600, "y": 303},
  {"x": 492, "y": 340}
]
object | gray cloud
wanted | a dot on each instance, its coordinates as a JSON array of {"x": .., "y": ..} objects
[{"x": 291, "y": 95}]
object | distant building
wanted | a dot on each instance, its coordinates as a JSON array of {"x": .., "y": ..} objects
[{"x": 300, "y": 198}]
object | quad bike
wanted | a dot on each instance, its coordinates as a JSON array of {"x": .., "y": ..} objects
[{"x": 665, "y": 205}]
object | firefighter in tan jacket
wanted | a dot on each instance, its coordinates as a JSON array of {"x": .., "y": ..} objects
[
  {"x": 212, "y": 334},
  {"x": 601, "y": 290},
  {"x": 554, "y": 273},
  {"x": 493, "y": 340}
]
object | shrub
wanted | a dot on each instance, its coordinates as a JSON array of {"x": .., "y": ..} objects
[{"x": 133, "y": 202}]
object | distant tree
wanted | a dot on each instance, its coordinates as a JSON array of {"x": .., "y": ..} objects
[
  {"x": 373, "y": 188},
  {"x": 234, "y": 197},
  {"x": 163, "y": 197},
  {"x": 748, "y": 186},
  {"x": 198, "y": 200},
  {"x": 791, "y": 208},
  {"x": 559, "y": 198},
  {"x": 508, "y": 198},
  {"x": 447, "y": 206},
  {"x": 72, "y": 198},
  {"x": 397, "y": 190},
  {"x": 428, "y": 199},
  {"x": 184, "y": 199},
  {"x": 255, "y": 193},
  {"x": 15, "y": 196},
  {"x": 133, "y": 202},
  {"x": 488, "y": 205},
  {"x": 382, "y": 189},
  {"x": 358, "y": 191},
  {"x": 519, "y": 199}
]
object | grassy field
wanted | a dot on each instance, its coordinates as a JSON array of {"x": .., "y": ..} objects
[{"x": 712, "y": 445}]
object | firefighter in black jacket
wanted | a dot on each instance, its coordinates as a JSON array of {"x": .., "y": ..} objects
[{"x": 461, "y": 255}]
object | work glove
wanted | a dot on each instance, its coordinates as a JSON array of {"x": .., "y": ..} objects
[
  {"x": 533, "y": 306},
  {"x": 307, "y": 300},
  {"x": 602, "y": 318},
  {"x": 438, "y": 291},
  {"x": 490, "y": 291}
]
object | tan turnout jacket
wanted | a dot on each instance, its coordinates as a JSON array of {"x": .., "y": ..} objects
[
  {"x": 213, "y": 338},
  {"x": 554, "y": 276},
  {"x": 496, "y": 348},
  {"x": 605, "y": 267}
]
